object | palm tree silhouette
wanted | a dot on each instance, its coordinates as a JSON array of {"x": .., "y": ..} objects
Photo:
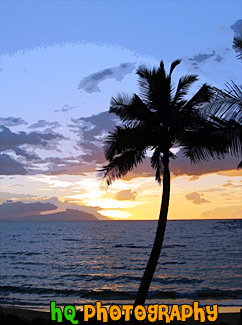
[{"x": 160, "y": 118}]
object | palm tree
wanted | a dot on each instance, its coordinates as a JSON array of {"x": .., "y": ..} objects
[{"x": 160, "y": 118}]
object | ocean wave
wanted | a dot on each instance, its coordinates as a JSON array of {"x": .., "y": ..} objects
[{"x": 106, "y": 294}]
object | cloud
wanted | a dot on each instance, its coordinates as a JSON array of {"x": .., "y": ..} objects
[
  {"x": 202, "y": 57},
  {"x": 196, "y": 198},
  {"x": 231, "y": 185},
  {"x": 65, "y": 108},
  {"x": 4, "y": 196},
  {"x": 228, "y": 184},
  {"x": 68, "y": 165},
  {"x": 183, "y": 166},
  {"x": 18, "y": 209},
  {"x": 91, "y": 83},
  {"x": 22, "y": 144},
  {"x": 223, "y": 212},
  {"x": 197, "y": 61},
  {"x": 193, "y": 178},
  {"x": 9, "y": 166},
  {"x": 12, "y": 121},
  {"x": 43, "y": 124},
  {"x": 10, "y": 140},
  {"x": 125, "y": 195},
  {"x": 91, "y": 133}
]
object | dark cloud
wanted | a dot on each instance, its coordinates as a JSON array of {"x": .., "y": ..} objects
[
  {"x": 23, "y": 144},
  {"x": 12, "y": 121},
  {"x": 17, "y": 142},
  {"x": 202, "y": 57},
  {"x": 43, "y": 124},
  {"x": 9, "y": 166},
  {"x": 11, "y": 140},
  {"x": 18, "y": 209},
  {"x": 125, "y": 195},
  {"x": 196, "y": 198},
  {"x": 183, "y": 166},
  {"x": 95, "y": 125},
  {"x": 92, "y": 132},
  {"x": 90, "y": 83},
  {"x": 88, "y": 161}
]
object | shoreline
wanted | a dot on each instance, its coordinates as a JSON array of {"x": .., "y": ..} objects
[{"x": 15, "y": 315}]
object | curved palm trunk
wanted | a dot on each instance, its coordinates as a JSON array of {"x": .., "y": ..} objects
[{"x": 160, "y": 232}]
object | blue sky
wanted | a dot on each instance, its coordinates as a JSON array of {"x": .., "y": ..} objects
[
  {"x": 156, "y": 28},
  {"x": 62, "y": 61},
  {"x": 48, "y": 47}
]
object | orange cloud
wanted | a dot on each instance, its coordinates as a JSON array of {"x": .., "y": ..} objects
[
  {"x": 196, "y": 198},
  {"x": 126, "y": 195}
]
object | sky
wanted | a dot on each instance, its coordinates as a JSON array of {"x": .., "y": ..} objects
[{"x": 62, "y": 61}]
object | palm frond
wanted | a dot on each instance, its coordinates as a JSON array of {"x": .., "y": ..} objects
[
  {"x": 203, "y": 96},
  {"x": 120, "y": 165},
  {"x": 227, "y": 103},
  {"x": 173, "y": 65},
  {"x": 131, "y": 110},
  {"x": 157, "y": 164},
  {"x": 124, "y": 138},
  {"x": 184, "y": 85},
  {"x": 213, "y": 139},
  {"x": 154, "y": 87},
  {"x": 238, "y": 46}
]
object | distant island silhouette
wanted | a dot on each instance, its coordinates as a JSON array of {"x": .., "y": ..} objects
[{"x": 68, "y": 215}]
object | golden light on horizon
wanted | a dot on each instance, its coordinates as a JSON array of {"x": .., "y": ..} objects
[
  {"x": 116, "y": 214},
  {"x": 207, "y": 196},
  {"x": 103, "y": 203}
]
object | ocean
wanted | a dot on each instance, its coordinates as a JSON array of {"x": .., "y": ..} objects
[{"x": 84, "y": 262}]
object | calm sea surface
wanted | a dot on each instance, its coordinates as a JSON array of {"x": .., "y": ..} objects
[{"x": 83, "y": 262}]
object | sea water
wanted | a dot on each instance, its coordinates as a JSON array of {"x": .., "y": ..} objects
[{"x": 84, "y": 262}]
